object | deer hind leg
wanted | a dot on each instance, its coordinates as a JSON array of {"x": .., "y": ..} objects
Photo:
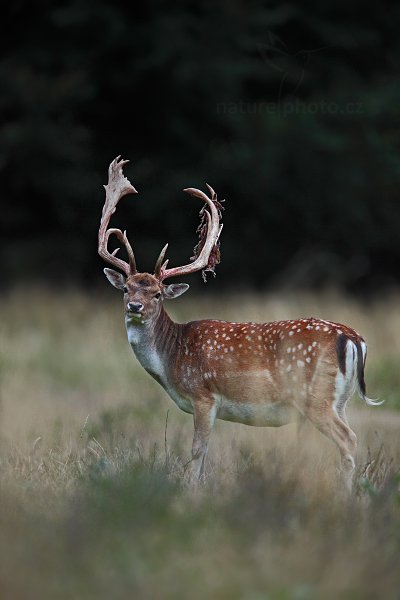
[
  {"x": 332, "y": 426},
  {"x": 205, "y": 411}
]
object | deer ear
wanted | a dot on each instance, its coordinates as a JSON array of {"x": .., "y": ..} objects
[
  {"x": 174, "y": 290},
  {"x": 116, "y": 279}
]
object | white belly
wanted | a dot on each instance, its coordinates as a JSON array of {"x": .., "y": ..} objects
[{"x": 260, "y": 414}]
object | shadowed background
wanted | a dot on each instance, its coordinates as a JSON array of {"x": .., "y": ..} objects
[{"x": 289, "y": 111}]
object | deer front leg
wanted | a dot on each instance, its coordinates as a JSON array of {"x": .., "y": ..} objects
[{"x": 205, "y": 411}]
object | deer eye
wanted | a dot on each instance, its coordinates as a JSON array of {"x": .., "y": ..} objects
[
  {"x": 125, "y": 289},
  {"x": 157, "y": 296}
]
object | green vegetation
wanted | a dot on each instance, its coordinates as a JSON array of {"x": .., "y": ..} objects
[
  {"x": 93, "y": 462},
  {"x": 101, "y": 523}
]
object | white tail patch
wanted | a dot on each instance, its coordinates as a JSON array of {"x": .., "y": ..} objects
[
  {"x": 345, "y": 384},
  {"x": 369, "y": 401}
]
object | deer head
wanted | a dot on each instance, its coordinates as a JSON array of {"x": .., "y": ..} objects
[{"x": 145, "y": 292}]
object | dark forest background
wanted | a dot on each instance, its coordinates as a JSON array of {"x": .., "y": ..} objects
[{"x": 291, "y": 112}]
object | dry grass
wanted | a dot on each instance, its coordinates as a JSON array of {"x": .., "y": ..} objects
[{"x": 92, "y": 482}]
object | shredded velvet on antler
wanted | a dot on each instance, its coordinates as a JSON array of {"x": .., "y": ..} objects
[{"x": 215, "y": 254}]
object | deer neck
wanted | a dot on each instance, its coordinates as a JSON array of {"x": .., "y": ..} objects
[{"x": 153, "y": 342}]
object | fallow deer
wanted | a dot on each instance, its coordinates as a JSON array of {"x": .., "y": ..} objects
[{"x": 263, "y": 374}]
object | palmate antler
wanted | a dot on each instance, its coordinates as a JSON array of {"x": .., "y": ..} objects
[
  {"x": 117, "y": 187},
  {"x": 206, "y": 253}
]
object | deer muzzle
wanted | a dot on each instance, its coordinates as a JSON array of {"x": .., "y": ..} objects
[{"x": 135, "y": 307}]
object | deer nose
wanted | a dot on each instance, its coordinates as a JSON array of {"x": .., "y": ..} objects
[{"x": 135, "y": 307}]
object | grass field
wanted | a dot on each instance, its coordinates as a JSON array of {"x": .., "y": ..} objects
[{"x": 94, "y": 499}]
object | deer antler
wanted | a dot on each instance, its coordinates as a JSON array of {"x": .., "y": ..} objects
[
  {"x": 117, "y": 187},
  {"x": 207, "y": 250}
]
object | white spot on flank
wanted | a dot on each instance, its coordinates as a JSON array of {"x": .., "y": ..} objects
[
  {"x": 308, "y": 359},
  {"x": 291, "y": 332}
]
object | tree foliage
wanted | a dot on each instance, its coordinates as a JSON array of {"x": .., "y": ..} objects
[{"x": 289, "y": 111}]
